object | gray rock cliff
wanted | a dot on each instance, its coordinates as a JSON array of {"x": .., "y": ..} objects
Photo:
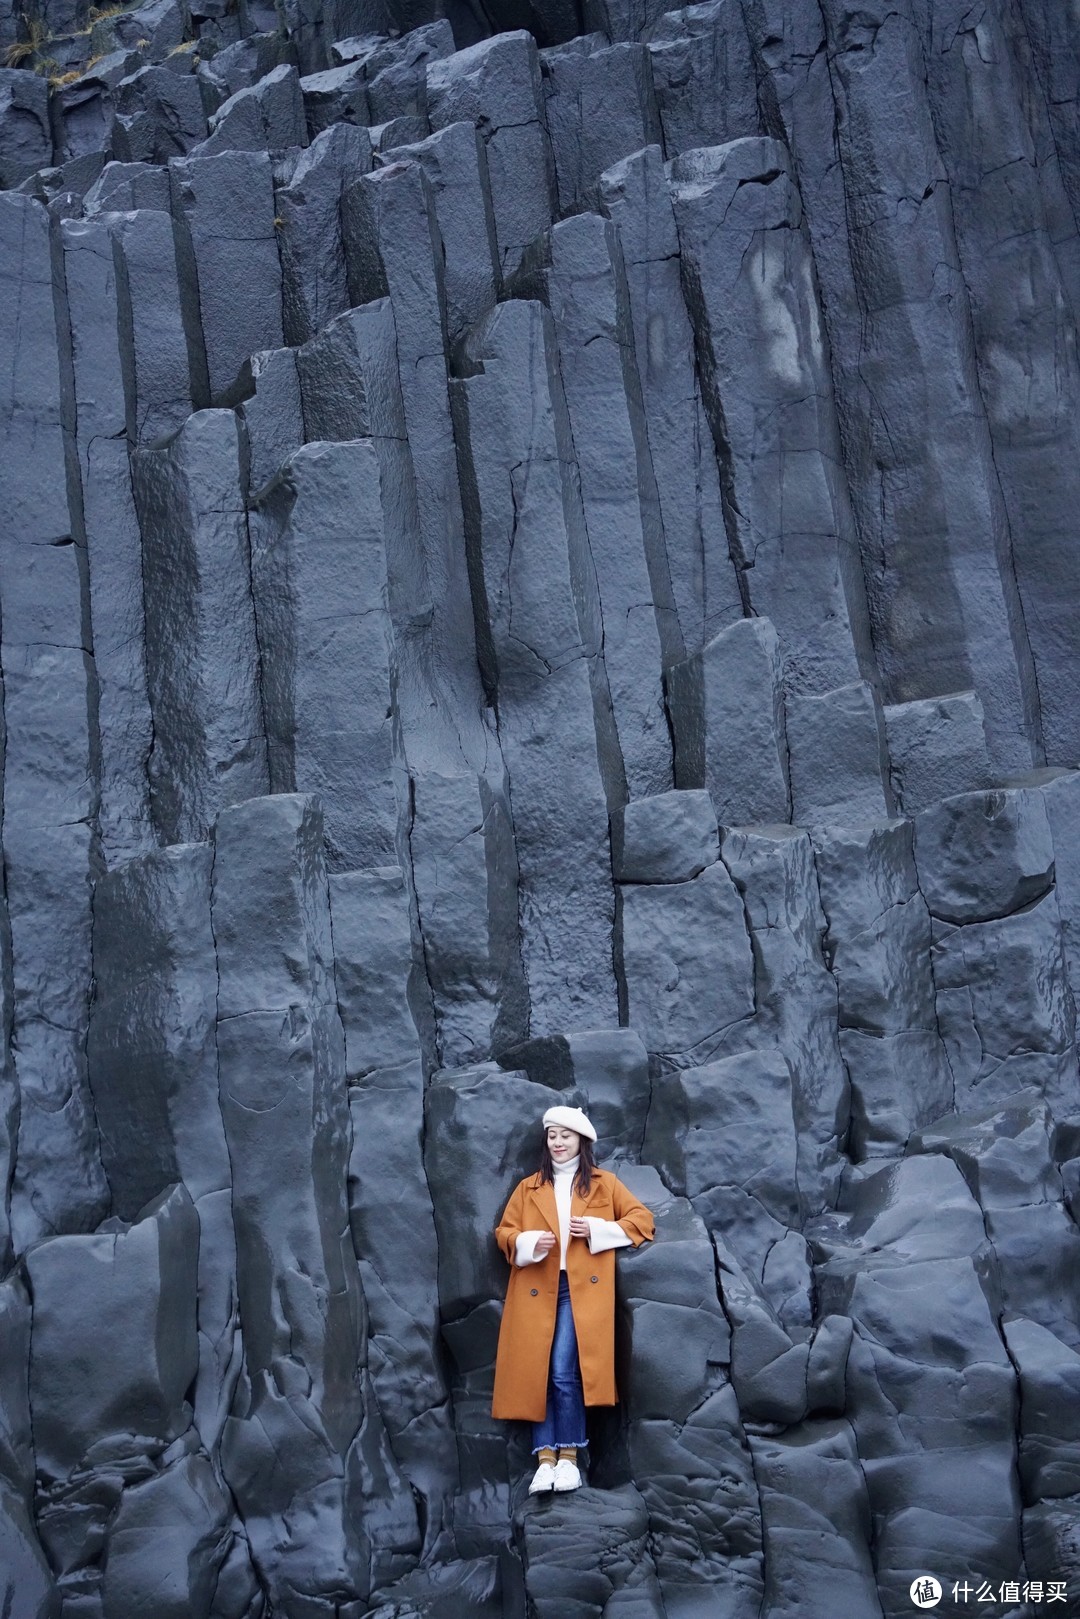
[{"x": 538, "y": 563}]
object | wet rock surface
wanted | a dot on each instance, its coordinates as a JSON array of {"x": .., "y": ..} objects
[{"x": 537, "y": 566}]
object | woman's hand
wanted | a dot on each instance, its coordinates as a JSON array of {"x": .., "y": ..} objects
[
  {"x": 546, "y": 1241},
  {"x": 579, "y": 1226}
]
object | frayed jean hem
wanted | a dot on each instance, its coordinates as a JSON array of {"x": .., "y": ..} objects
[{"x": 565, "y": 1398}]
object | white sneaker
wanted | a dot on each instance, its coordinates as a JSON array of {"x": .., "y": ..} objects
[
  {"x": 567, "y": 1476},
  {"x": 545, "y": 1476}
]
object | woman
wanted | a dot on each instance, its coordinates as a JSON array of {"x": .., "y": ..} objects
[{"x": 556, "y": 1354}]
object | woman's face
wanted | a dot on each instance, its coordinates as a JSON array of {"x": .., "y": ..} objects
[{"x": 562, "y": 1143}]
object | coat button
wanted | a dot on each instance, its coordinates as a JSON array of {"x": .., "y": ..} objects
[
  {"x": 594, "y": 1278},
  {"x": 535, "y": 1290}
]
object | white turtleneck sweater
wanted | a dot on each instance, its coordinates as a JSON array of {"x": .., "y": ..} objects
[{"x": 602, "y": 1233}]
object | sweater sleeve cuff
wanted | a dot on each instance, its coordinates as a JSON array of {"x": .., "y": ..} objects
[
  {"x": 605, "y": 1234},
  {"x": 525, "y": 1252}
]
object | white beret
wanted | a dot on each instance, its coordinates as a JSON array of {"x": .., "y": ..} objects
[{"x": 572, "y": 1118}]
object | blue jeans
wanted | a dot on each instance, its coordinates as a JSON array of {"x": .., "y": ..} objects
[{"x": 564, "y": 1423}]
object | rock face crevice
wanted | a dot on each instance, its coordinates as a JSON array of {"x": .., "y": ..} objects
[{"x": 537, "y": 565}]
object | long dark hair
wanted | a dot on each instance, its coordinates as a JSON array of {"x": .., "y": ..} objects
[{"x": 586, "y": 1165}]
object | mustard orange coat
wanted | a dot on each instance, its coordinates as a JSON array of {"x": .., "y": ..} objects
[{"x": 528, "y": 1321}]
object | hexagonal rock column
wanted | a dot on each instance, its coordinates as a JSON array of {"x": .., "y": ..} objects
[
  {"x": 496, "y": 85},
  {"x": 307, "y": 217},
  {"x": 25, "y": 136},
  {"x": 577, "y": 268},
  {"x": 598, "y": 105},
  {"x": 223, "y": 207},
  {"x": 878, "y": 949},
  {"x": 540, "y": 649},
  {"x": 462, "y": 861},
  {"x": 113, "y": 1353},
  {"x": 454, "y": 161},
  {"x": 679, "y": 917},
  {"x": 704, "y": 584},
  {"x": 318, "y": 566},
  {"x": 930, "y": 1395},
  {"x": 947, "y": 609},
  {"x": 305, "y": 1441},
  {"x": 727, "y": 714},
  {"x": 1009, "y": 1155},
  {"x": 685, "y": 1447},
  {"x": 986, "y": 868},
  {"x": 27, "y": 1584},
  {"x": 752, "y": 296},
  {"x": 816, "y": 1516},
  {"x": 102, "y": 358},
  {"x": 152, "y": 1055},
  {"x": 50, "y": 766},
  {"x": 202, "y": 657},
  {"x": 703, "y": 75},
  {"x": 723, "y": 1135},
  {"x": 587, "y": 1555},
  {"x": 1006, "y": 204},
  {"x": 794, "y": 995},
  {"x": 394, "y": 1238},
  {"x": 163, "y": 380},
  {"x": 837, "y": 761},
  {"x": 937, "y": 747}
]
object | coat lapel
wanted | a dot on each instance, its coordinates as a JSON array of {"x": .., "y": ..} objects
[{"x": 545, "y": 1197}]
